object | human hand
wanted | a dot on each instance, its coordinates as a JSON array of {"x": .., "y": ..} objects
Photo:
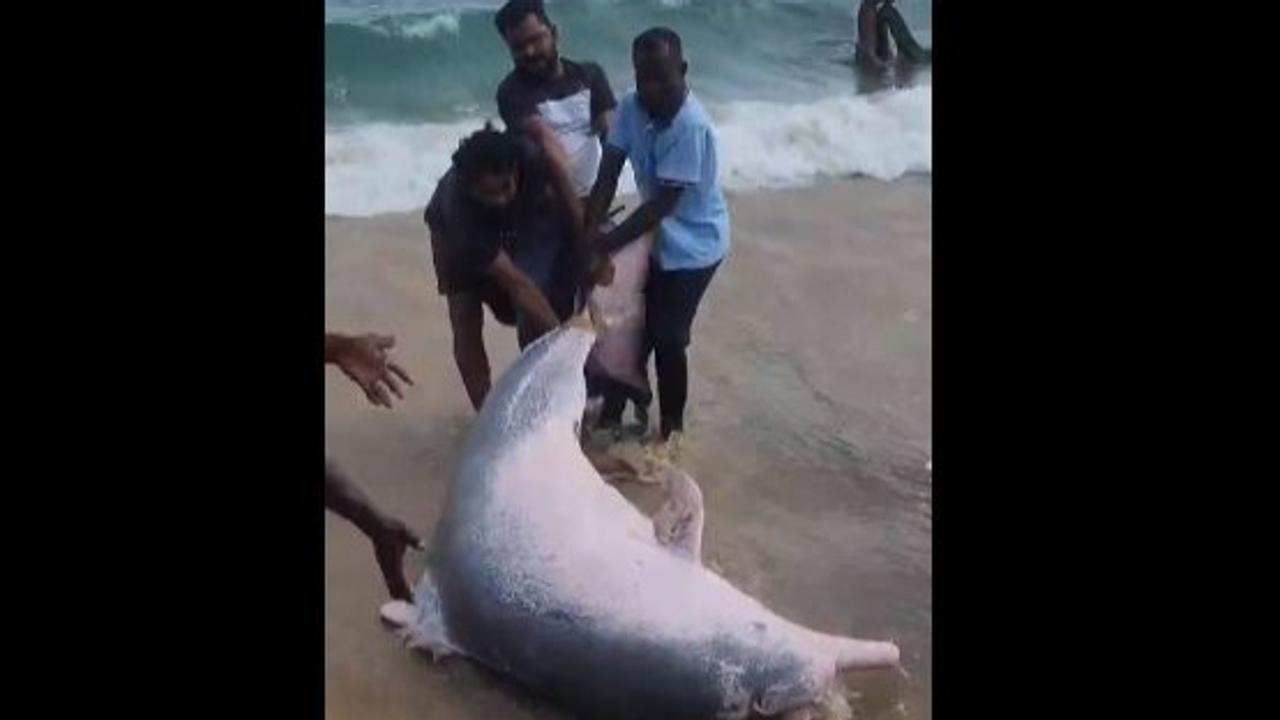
[
  {"x": 365, "y": 359},
  {"x": 390, "y": 541},
  {"x": 602, "y": 271}
]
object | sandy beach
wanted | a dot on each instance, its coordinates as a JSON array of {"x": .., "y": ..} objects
[{"x": 808, "y": 430}]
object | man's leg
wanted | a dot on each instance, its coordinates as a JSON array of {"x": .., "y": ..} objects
[
  {"x": 884, "y": 51},
  {"x": 672, "y": 365},
  {"x": 616, "y": 395},
  {"x": 611, "y": 413},
  {"x": 672, "y": 304}
]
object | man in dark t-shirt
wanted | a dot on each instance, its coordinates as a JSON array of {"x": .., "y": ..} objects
[
  {"x": 878, "y": 20},
  {"x": 501, "y": 236},
  {"x": 548, "y": 96},
  {"x": 567, "y": 108}
]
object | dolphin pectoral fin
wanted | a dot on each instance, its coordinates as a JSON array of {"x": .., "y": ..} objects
[
  {"x": 678, "y": 523},
  {"x": 420, "y": 625}
]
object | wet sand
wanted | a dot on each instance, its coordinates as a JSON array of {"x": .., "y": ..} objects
[{"x": 808, "y": 430}]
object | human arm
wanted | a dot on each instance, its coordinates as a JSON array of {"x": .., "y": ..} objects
[{"x": 390, "y": 537}]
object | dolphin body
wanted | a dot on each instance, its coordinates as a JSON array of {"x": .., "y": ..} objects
[
  {"x": 618, "y": 360},
  {"x": 544, "y": 573}
]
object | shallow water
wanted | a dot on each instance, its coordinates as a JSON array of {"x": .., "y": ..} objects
[{"x": 406, "y": 80}]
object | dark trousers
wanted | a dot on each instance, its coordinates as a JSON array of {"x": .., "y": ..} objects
[{"x": 671, "y": 302}]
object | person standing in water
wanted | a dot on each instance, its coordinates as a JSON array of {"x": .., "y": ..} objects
[
  {"x": 567, "y": 108},
  {"x": 669, "y": 139},
  {"x": 877, "y": 21},
  {"x": 874, "y": 62}
]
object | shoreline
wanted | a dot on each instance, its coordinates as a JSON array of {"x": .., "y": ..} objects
[
  {"x": 911, "y": 177},
  {"x": 907, "y": 178}
]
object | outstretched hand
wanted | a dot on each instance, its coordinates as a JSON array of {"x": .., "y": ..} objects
[{"x": 365, "y": 359}]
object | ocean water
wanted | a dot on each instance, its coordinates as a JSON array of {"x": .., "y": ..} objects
[{"x": 405, "y": 80}]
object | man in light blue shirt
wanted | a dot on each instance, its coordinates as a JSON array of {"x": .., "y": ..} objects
[{"x": 663, "y": 130}]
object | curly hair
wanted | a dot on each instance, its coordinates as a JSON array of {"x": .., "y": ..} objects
[{"x": 486, "y": 151}]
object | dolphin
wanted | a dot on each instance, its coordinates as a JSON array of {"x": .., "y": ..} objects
[
  {"x": 618, "y": 359},
  {"x": 549, "y": 576}
]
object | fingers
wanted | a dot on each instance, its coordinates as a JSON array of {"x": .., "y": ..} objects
[
  {"x": 369, "y": 365},
  {"x": 389, "y": 551},
  {"x": 384, "y": 385},
  {"x": 377, "y": 394},
  {"x": 380, "y": 389},
  {"x": 391, "y": 562},
  {"x": 402, "y": 534},
  {"x": 400, "y": 372},
  {"x": 389, "y": 379},
  {"x": 409, "y": 538},
  {"x": 399, "y": 589}
]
